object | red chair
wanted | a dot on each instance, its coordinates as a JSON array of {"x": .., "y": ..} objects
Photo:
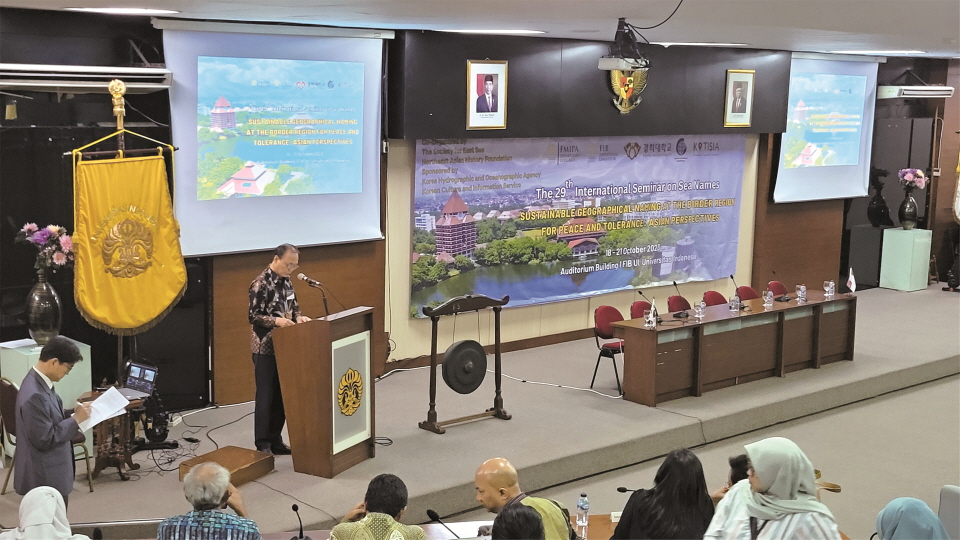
[
  {"x": 777, "y": 288},
  {"x": 677, "y": 303},
  {"x": 603, "y": 319},
  {"x": 637, "y": 309},
  {"x": 747, "y": 293},
  {"x": 713, "y": 298}
]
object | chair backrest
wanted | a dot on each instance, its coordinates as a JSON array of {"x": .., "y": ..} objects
[
  {"x": 8, "y": 405},
  {"x": 777, "y": 288},
  {"x": 637, "y": 308},
  {"x": 949, "y": 511},
  {"x": 713, "y": 298},
  {"x": 747, "y": 293},
  {"x": 677, "y": 303},
  {"x": 603, "y": 319}
]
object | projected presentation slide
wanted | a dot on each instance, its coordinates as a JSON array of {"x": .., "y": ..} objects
[
  {"x": 825, "y": 119},
  {"x": 270, "y": 127}
]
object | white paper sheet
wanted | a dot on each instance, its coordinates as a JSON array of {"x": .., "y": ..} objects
[
  {"x": 19, "y": 343},
  {"x": 111, "y": 403}
]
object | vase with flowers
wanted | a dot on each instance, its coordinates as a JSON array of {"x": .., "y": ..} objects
[
  {"x": 54, "y": 252},
  {"x": 910, "y": 179}
]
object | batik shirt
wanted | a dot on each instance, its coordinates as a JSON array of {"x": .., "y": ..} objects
[
  {"x": 376, "y": 526},
  {"x": 271, "y": 296},
  {"x": 208, "y": 525}
]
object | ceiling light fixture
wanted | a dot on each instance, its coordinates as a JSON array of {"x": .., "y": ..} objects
[
  {"x": 881, "y": 53},
  {"x": 125, "y": 11},
  {"x": 509, "y": 32},
  {"x": 698, "y": 44}
]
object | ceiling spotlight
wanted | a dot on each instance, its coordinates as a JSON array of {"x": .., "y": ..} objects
[{"x": 125, "y": 11}]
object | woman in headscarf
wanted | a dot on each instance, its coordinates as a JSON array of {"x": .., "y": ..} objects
[
  {"x": 907, "y": 518},
  {"x": 777, "y": 500},
  {"x": 678, "y": 506},
  {"x": 43, "y": 516}
]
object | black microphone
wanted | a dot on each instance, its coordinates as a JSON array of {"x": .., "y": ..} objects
[
  {"x": 297, "y": 510},
  {"x": 316, "y": 285},
  {"x": 679, "y": 314},
  {"x": 434, "y": 516},
  {"x": 622, "y": 489},
  {"x": 784, "y": 297},
  {"x": 737, "y": 291}
]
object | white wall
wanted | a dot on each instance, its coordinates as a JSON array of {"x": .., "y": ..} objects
[{"x": 412, "y": 336}]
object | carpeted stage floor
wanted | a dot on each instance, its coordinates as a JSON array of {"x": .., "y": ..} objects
[{"x": 558, "y": 435}]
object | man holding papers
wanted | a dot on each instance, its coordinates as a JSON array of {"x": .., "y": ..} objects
[{"x": 44, "y": 454}]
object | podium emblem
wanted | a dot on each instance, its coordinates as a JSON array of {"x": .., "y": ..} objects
[{"x": 349, "y": 392}]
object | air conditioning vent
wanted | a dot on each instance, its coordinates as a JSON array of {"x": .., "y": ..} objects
[
  {"x": 932, "y": 91},
  {"x": 82, "y": 79}
]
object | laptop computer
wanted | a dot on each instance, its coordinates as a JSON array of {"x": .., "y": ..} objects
[{"x": 140, "y": 382}]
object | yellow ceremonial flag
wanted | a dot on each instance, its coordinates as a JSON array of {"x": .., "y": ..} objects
[{"x": 129, "y": 270}]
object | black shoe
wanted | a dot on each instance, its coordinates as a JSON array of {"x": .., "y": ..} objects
[
  {"x": 264, "y": 449},
  {"x": 280, "y": 450}
]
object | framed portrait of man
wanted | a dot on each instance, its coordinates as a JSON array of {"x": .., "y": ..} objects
[
  {"x": 738, "y": 103},
  {"x": 486, "y": 94}
]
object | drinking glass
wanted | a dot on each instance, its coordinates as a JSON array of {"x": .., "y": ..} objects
[
  {"x": 798, "y": 291},
  {"x": 833, "y": 287},
  {"x": 803, "y": 292}
]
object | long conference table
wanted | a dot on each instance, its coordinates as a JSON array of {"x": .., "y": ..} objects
[{"x": 687, "y": 357}]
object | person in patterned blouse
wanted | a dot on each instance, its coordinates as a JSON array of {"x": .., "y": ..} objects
[
  {"x": 207, "y": 487},
  {"x": 273, "y": 304},
  {"x": 377, "y": 517}
]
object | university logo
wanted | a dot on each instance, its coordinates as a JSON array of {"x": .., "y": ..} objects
[
  {"x": 627, "y": 86},
  {"x": 681, "y": 147},
  {"x": 301, "y": 85},
  {"x": 349, "y": 392},
  {"x": 632, "y": 149}
]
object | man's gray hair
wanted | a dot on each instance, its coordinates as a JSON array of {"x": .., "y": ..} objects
[{"x": 205, "y": 485}]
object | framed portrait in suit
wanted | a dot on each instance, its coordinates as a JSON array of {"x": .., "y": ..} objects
[
  {"x": 486, "y": 94},
  {"x": 738, "y": 101}
]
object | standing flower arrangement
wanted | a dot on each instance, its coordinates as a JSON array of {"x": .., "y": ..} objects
[
  {"x": 54, "y": 244},
  {"x": 912, "y": 178}
]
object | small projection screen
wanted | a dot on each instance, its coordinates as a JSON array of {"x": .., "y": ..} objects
[
  {"x": 279, "y": 139},
  {"x": 825, "y": 152}
]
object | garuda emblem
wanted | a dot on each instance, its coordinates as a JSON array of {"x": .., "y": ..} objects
[
  {"x": 349, "y": 392},
  {"x": 627, "y": 85},
  {"x": 128, "y": 249}
]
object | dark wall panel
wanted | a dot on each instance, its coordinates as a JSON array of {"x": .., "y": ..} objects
[{"x": 556, "y": 90}]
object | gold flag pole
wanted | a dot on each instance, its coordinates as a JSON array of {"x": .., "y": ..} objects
[{"x": 117, "y": 89}]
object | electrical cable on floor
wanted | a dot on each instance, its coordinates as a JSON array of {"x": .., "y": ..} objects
[
  {"x": 392, "y": 371},
  {"x": 225, "y": 425},
  {"x": 559, "y": 386},
  {"x": 292, "y": 497},
  {"x": 383, "y": 441}
]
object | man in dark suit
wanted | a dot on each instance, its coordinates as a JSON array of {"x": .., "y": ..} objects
[
  {"x": 488, "y": 101},
  {"x": 739, "y": 104},
  {"x": 44, "y": 454}
]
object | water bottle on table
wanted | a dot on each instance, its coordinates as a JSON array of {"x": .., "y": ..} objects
[{"x": 583, "y": 515}]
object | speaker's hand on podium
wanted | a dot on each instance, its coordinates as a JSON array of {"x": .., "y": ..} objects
[
  {"x": 302, "y": 318},
  {"x": 282, "y": 322}
]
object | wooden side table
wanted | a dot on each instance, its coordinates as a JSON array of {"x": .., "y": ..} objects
[{"x": 112, "y": 440}]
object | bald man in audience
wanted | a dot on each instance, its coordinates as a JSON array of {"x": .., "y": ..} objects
[{"x": 498, "y": 486}]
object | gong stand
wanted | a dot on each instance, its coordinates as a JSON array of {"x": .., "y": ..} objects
[{"x": 453, "y": 306}]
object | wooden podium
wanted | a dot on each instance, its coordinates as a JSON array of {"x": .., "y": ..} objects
[{"x": 327, "y": 385}]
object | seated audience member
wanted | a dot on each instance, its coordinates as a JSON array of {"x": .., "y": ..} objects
[
  {"x": 778, "y": 501},
  {"x": 377, "y": 517},
  {"x": 518, "y": 522},
  {"x": 498, "y": 486},
  {"x": 907, "y": 518},
  {"x": 207, "y": 487},
  {"x": 738, "y": 471},
  {"x": 43, "y": 516},
  {"x": 678, "y": 505}
]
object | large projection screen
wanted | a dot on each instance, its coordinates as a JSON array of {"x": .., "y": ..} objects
[
  {"x": 825, "y": 152},
  {"x": 279, "y": 139}
]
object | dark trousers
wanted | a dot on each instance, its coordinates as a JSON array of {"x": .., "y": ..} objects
[{"x": 268, "y": 416}]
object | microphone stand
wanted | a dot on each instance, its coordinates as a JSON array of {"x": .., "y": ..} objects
[{"x": 326, "y": 308}]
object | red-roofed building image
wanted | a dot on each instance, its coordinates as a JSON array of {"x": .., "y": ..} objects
[
  {"x": 456, "y": 230},
  {"x": 584, "y": 247},
  {"x": 250, "y": 180},
  {"x": 223, "y": 116}
]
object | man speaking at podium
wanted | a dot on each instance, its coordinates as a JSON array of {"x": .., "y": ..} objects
[{"x": 273, "y": 303}]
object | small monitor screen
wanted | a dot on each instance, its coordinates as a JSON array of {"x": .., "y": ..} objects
[
  {"x": 135, "y": 372},
  {"x": 141, "y": 378},
  {"x": 149, "y": 374}
]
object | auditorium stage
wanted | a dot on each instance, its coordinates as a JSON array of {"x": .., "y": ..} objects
[{"x": 556, "y": 434}]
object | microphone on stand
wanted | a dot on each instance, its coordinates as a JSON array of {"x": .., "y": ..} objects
[
  {"x": 316, "y": 285},
  {"x": 679, "y": 314},
  {"x": 659, "y": 320},
  {"x": 784, "y": 297},
  {"x": 434, "y": 516},
  {"x": 622, "y": 489},
  {"x": 737, "y": 291},
  {"x": 297, "y": 510}
]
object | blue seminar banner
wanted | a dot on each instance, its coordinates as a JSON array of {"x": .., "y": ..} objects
[{"x": 544, "y": 220}]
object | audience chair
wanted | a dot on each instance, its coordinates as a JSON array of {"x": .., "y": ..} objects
[
  {"x": 949, "y": 511},
  {"x": 713, "y": 298},
  {"x": 637, "y": 308},
  {"x": 8, "y": 419},
  {"x": 777, "y": 288},
  {"x": 603, "y": 319},
  {"x": 677, "y": 303},
  {"x": 747, "y": 293}
]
